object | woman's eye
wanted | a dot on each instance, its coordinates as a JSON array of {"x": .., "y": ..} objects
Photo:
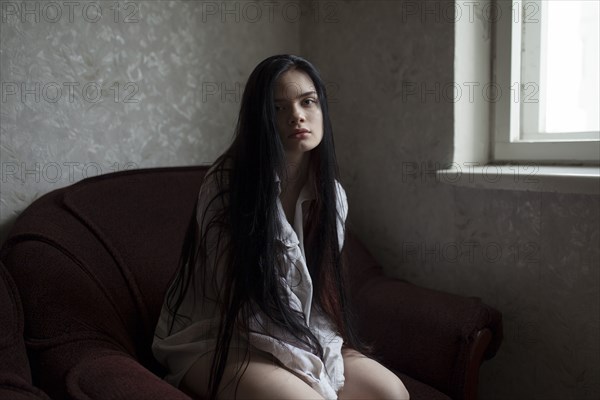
[{"x": 309, "y": 101}]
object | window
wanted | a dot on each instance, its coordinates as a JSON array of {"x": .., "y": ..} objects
[{"x": 546, "y": 63}]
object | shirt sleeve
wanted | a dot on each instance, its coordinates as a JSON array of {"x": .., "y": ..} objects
[
  {"x": 209, "y": 223},
  {"x": 342, "y": 213},
  {"x": 179, "y": 341}
]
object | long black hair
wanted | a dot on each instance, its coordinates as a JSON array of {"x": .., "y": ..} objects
[{"x": 244, "y": 175}]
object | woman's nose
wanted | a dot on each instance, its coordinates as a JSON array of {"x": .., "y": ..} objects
[{"x": 296, "y": 115}]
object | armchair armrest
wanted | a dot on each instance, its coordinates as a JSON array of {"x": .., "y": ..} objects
[
  {"x": 82, "y": 343},
  {"x": 435, "y": 337},
  {"x": 117, "y": 376},
  {"x": 15, "y": 374},
  {"x": 15, "y": 388}
]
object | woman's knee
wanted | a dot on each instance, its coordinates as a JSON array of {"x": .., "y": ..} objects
[
  {"x": 390, "y": 389},
  {"x": 367, "y": 378},
  {"x": 255, "y": 375},
  {"x": 397, "y": 390}
]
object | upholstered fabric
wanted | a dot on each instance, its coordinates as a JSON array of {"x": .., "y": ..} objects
[
  {"x": 424, "y": 333},
  {"x": 15, "y": 375},
  {"x": 418, "y": 390},
  {"x": 92, "y": 262}
]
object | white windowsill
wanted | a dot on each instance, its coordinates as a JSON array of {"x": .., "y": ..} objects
[
  {"x": 474, "y": 124},
  {"x": 535, "y": 178}
]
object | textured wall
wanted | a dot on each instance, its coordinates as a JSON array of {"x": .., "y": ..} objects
[
  {"x": 534, "y": 256},
  {"x": 170, "y": 75}
]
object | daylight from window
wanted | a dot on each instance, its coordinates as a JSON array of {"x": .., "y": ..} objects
[{"x": 569, "y": 82}]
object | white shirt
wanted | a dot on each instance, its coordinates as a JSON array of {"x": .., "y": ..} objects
[{"x": 193, "y": 337}]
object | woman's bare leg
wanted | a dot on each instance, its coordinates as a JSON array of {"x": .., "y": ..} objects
[
  {"x": 263, "y": 378},
  {"x": 367, "y": 379}
]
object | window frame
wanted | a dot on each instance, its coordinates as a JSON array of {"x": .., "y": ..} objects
[{"x": 507, "y": 144}]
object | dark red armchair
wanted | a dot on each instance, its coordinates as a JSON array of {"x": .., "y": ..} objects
[{"x": 91, "y": 263}]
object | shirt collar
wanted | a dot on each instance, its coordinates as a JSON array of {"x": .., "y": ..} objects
[{"x": 307, "y": 192}]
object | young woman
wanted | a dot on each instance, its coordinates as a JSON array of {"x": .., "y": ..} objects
[{"x": 258, "y": 307}]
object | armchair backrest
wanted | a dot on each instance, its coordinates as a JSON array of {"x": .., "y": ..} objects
[{"x": 109, "y": 244}]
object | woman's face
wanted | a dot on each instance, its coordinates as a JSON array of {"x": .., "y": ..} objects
[{"x": 299, "y": 119}]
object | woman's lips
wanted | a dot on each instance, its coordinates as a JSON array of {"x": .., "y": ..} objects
[{"x": 299, "y": 133}]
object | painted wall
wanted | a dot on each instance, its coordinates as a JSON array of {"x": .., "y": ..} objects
[
  {"x": 534, "y": 256},
  {"x": 172, "y": 74}
]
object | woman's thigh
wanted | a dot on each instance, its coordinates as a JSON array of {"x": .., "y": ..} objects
[
  {"x": 365, "y": 378},
  {"x": 256, "y": 375}
]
